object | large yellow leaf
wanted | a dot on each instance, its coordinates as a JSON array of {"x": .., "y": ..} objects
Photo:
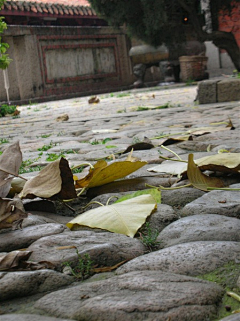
[
  {"x": 103, "y": 173},
  {"x": 224, "y": 162},
  {"x": 53, "y": 180},
  {"x": 125, "y": 217},
  {"x": 198, "y": 179}
]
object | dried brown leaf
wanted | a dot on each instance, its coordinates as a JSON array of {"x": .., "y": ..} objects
[
  {"x": 12, "y": 213},
  {"x": 93, "y": 100},
  {"x": 13, "y": 259},
  {"x": 139, "y": 146},
  {"x": 200, "y": 180},
  {"x": 108, "y": 268},
  {"x": 10, "y": 162},
  {"x": 18, "y": 261},
  {"x": 55, "y": 180}
]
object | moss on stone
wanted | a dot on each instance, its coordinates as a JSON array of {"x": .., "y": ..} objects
[{"x": 227, "y": 277}]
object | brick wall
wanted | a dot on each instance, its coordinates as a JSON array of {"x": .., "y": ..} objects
[{"x": 231, "y": 22}]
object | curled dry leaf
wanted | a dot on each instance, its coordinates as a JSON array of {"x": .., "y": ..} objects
[
  {"x": 63, "y": 117},
  {"x": 200, "y": 180},
  {"x": 55, "y": 180},
  {"x": 12, "y": 213},
  {"x": 18, "y": 260},
  {"x": 13, "y": 259},
  {"x": 93, "y": 100},
  {"x": 224, "y": 162},
  {"x": 102, "y": 173},
  {"x": 10, "y": 162}
]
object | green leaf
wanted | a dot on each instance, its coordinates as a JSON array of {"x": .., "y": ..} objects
[{"x": 156, "y": 194}]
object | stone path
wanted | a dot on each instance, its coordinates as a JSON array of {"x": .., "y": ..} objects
[{"x": 198, "y": 231}]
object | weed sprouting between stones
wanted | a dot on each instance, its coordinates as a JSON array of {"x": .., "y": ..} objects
[
  {"x": 83, "y": 269},
  {"x": 148, "y": 237}
]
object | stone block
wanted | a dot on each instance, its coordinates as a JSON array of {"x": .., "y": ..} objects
[
  {"x": 228, "y": 90},
  {"x": 207, "y": 92}
]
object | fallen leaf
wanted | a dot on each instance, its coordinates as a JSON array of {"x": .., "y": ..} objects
[
  {"x": 200, "y": 180},
  {"x": 175, "y": 140},
  {"x": 223, "y": 162},
  {"x": 12, "y": 213},
  {"x": 139, "y": 146},
  {"x": 63, "y": 117},
  {"x": 16, "y": 186},
  {"x": 94, "y": 100},
  {"x": 156, "y": 194},
  {"x": 108, "y": 268},
  {"x": 170, "y": 167},
  {"x": 124, "y": 218},
  {"x": 12, "y": 259},
  {"x": 102, "y": 173},
  {"x": 10, "y": 162},
  {"x": 104, "y": 131},
  {"x": 17, "y": 261},
  {"x": 54, "y": 180}
]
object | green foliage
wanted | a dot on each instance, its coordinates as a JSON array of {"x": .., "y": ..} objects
[
  {"x": 149, "y": 20},
  {"x": 83, "y": 268},
  {"x": 104, "y": 141},
  {"x": 51, "y": 157},
  {"x": 26, "y": 166},
  {"x": 158, "y": 22},
  {"x": 149, "y": 237},
  {"x": 47, "y": 147},
  {"x": 4, "y": 58},
  {"x": 4, "y": 141},
  {"x": 6, "y": 109}
]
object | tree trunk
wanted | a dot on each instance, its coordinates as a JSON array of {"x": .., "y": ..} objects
[{"x": 226, "y": 40}]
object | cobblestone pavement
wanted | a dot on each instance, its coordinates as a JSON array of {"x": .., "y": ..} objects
[
  {"x": 123, "y": 117},
  {"x": 199, "y": 231}
]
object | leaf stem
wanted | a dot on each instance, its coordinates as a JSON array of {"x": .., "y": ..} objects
[
  {"x": 15, "y": 175},
  {"x": 93, "y": 202},
  {"x": 234, "y": 295},
  {"x": 171, "y": 151},
  {"x": 84, "y": 164},
  {"x": 168, "y": 188},
  {"x": 223, "y": 189},
  {"x": 172, "y": 159}
]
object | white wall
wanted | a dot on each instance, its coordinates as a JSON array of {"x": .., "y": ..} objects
[{"x": 218, "y": 63}]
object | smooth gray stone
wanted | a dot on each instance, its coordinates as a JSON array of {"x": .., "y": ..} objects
[
  {"x": 18, "y": 239},
  {"x": 28, "y": 317},
  {"x": 105, "y": 249},
  {"x": 207, "y": 227},
  {"x": 207, "y": 91},
  {"x": 180, "y": 197},
  {"x": 145, "y": 295},
  {"x": 234, "y": 317},
  {"x": 228, "y": 90},
  {"x": 24, "y": 283},
  {"x": 215, "y": 202},
  {"x": 193, "y": 258}
]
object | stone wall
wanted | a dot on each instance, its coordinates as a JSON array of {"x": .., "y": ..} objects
[
  {"x": 61, "y": 62},
  {"x": 213, "y": 91}
]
